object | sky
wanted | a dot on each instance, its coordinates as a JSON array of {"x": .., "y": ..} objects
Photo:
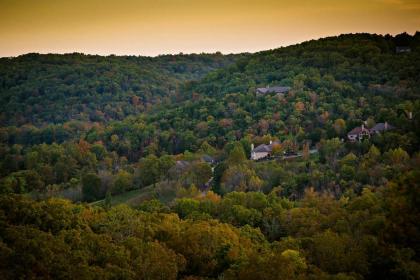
[{"x": 153, "y": 27}]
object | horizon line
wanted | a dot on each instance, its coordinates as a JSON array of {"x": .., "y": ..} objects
[{"x": 206, "y": 53}]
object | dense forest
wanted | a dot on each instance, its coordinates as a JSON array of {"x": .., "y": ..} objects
[
  {"x": 139, "y": 167},
  {"x": 44, "y": 89}
]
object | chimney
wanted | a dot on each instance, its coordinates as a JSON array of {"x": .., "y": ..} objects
[
  {"x": 271, "y": 142},
  {"x": 386, "y": 125},
  {"x": 252, "y": 146},
  {"x": 363, "y": 126}
]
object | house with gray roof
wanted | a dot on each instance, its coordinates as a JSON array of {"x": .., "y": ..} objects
[
  {"x": 208, "y": 159},
  {"x": 402, "y": 49},
  {"x": 381, "y": 127},
  {"x": 279, "y": 90},
  {"x": 263, "y": 150}
]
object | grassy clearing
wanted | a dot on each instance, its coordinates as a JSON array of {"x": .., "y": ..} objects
[{"x": 131, "y": 198}]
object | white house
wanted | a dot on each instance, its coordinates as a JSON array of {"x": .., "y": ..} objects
[
  {"x": 358, "y": 133},
  {"x": 263, "y": 150}
]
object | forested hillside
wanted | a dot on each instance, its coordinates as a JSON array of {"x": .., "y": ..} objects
[
  {"x": 42, "y": 89},
  {"x": 154, "y": 156}
]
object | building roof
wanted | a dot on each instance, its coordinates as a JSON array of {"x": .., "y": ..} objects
[
  {"x": 381, "y": 127},
  {"x": 263, "y": 148},
  {"x": 276, "y": 89},
  {"x": 182, "y": 164},
  {"x": 207, "y": 158},
  {"x": 358, "y": 130},
  {"x": 403, "y": 49}
]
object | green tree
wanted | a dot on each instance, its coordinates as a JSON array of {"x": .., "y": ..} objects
[
  {"x": 108, "y": 200},
  {"x": 330, "y": 150},
  {"x": 149, "y": 170},
  {"x": 201, "y": 173},
  {"x": 236, "y": 155},
  {"x": 339, "y": 126},
  {"x": 123, "y": 182},
  {"x": 166, "y": 162},
  {"x": 91, "y": 187}
]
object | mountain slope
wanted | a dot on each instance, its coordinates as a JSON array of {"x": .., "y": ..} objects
[
  {"x": 361, "y": 59},
  {"x": 53, "y": 88},
  {"x": 336, "y": 82}
]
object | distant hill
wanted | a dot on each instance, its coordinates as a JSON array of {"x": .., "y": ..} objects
[
  {"x": 43, "y": 89},
  {"x": 211, "y": 97},
  {"x": 353, "y": 77},
  {"x": 357, "y": 59},
  {"x": 37, "y": 89}
]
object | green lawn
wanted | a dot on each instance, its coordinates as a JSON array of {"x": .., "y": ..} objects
[{"x": 131, "y": 198}]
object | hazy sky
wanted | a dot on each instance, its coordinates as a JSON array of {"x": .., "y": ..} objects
[{"x": 155, "y": 27}]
